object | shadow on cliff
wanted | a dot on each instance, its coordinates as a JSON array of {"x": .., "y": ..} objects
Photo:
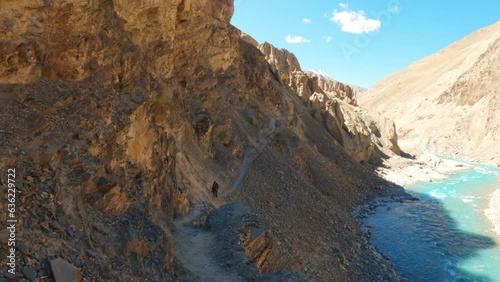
[
  {"x": 378, "y": 157},
  {"x": 423, "y": 241},
  {"x": 408, "y": 155}
]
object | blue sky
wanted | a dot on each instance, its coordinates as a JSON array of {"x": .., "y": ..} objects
[{"x": 362, "y": 41}]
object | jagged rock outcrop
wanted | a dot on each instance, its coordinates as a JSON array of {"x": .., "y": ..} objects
[
  {"x": 384, "y": 137},
  {"x": 335, "y": 104},
  {"x": 116, "y": 116},
  {"x": 390, "y": 137},
  {"x": 305, "y": 83},
  {"x": 282, "y": 62},
  {"x": 344, "y": 122},
  {"x": 333, "y": 88},
  {"x": 447, "y": 102}
]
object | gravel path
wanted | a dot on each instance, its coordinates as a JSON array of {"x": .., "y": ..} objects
[{"x": 194, "y": 246}]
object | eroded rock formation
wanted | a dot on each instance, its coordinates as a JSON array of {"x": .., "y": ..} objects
[
  {"x": 335, "y": 105},
  {"x": 282, "y": 62}
]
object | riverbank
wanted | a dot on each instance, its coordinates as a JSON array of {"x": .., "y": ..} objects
[
  {"x": 445, "y": 235},
  {"x": 493, "y": 212},
  {"x": 428, "y": 168},
  {"x": 425, "y": 168}
]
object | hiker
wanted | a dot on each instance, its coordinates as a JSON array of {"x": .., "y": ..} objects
[{"x": 215, "y": 189}]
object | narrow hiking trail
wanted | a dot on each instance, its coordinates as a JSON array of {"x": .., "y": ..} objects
[
  {"x": 194, "y": 246},
  {"x": 249, "y": 156}
]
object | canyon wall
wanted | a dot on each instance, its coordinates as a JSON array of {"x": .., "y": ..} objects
[
  {"x": 334, "y": 104},
  {"x": 117, "y": 117}
]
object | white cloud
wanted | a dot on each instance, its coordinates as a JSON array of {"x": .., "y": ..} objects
[
  {"x": 296, "y": 39},
  {"x": 354, "y": 21},
  {"x": 327, "y": 38},
  {"x": 344, "y": 6},
  {"x": 394, "y": 9},
  {"x": 306, "y": 21}
]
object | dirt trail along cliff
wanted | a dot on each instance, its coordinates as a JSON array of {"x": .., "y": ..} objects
[{"x": 195, "y": 246}]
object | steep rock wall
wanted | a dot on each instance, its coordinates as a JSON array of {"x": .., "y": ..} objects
[{"x": 335, "y": 105}]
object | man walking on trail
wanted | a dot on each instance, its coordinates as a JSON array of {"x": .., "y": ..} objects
[{"x": 215, "y": 189}]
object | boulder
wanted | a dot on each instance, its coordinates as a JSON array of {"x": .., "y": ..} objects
[{"x": 64, "y": 271}]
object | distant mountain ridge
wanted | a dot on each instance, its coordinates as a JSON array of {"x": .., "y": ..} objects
[{"x": 448, "y": 102}]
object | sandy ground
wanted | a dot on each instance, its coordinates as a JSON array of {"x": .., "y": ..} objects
[
  {"x": 493, "y": 211},
  {"x": 425, "y": 168}
]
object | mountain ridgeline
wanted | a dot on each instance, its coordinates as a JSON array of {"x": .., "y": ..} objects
[
  {"x": 448, "y": 102},
  {"x": 119, "y": 115}
]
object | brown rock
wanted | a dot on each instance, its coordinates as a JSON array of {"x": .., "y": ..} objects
[
  {"x": 104, "y": 184},
  {"x": 115, "y": 202},
  {"x": 117, "y": 86},
  {"x": 332, "y": 101},
  {"x": 29, "y": 273},
  {"x": 349, "y": 129},
  {"x": 136, "y": 246},
  {"x": 259, "y": 248},
  {"x": 384, "y": 133},
  {"x": 282, "y": 61},
  {"x": 219, "y": 9},
  {"x": 331, "y": 87},
  {"x": 64, "y": 271},
  {"x": 4, "y": 236},
  {"x": 300, "y": 83}
]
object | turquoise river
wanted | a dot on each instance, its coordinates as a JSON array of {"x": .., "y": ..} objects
[{"x": 444, "y": 236}]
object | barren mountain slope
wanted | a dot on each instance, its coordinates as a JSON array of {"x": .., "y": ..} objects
[
  {"x": 118, "y": 115},
  {"x": 448, "y": 102}
]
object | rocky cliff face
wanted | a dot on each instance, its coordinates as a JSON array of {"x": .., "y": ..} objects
[
  {"x": 335, "y": 105},
  {"x": 446, "y": 103},
  {"x": 282, "y": 62},
  {"x": 118, "y": 116},
  {"x": 306, "y": 84}
]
